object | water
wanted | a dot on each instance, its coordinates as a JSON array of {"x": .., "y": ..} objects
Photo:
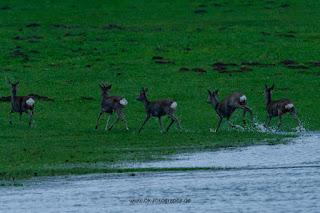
[
  {"x": 302, "y": 151},
  {"x": 279, "y": 178}
]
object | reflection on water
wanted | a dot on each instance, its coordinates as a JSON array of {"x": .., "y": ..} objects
[{"x": 280, "y": 178}]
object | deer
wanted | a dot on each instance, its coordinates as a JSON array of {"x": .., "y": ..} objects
[
  {"x": 158, "y": 109},
  {"x": 278, "y": 108},
  {"x": 109, "y": 104},
  {"x": 225, "y": 108},
  {"x": 20, "y": 104}
]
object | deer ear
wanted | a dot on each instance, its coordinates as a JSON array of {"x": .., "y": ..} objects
[
  {"x": 272, "y": 87},
  {"x": 209, "y": 92},
  {"x": 142, "y": 89},
  {"x": 17, "y": 83},
  {"x": 10, "y": 83},
  {"x": 146, "y": 90},
  {"x": 109, "y": 87},
  {"x": 266, "y": 86},
  {"x": 217, "y": 92}
]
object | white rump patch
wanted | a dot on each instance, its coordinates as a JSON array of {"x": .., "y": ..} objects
[
  {"x": 243, "y": 98},
  {"x": 30, "y": 102},
  {"x": 289, "y": 106},
  {"x": 174, "y": 105},
  {"x": 123, "y": 102}
]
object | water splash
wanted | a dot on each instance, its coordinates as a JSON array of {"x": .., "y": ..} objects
[
  {"x": 212, "y": 130},
  {"x": 260, "y": 127}
]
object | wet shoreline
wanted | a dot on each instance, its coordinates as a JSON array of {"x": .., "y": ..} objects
[{"x": 263, "y": 178}]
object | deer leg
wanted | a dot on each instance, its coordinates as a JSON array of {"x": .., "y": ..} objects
[
  {"x": 10, "y": 117},
  {"x": 245, "y": 108},
  {"x": 297, "y": 119},
  {"x": 20, "y": 118},
  {"x": 176, "y": 120},
  {"x": 230, "y": 122},
  {"x": 244, "y": 117},
  {"x": 30, "y": 120},
  {"x": 267, "y": 122},
  {"x": 161, "y": 124},
  {"x": 98, "y": 120},
  {"x": 108, "y": 121},
  {"x": 280, "y": 121},
  {"x": 147, "y": 118},
  {"x": 170, "y": 124},
  {"x": 114, "y": 122},
  {"x": 219, "y": 124},
  {"x": 250, "y": 111},
  {"x": 124, "y": 120}
]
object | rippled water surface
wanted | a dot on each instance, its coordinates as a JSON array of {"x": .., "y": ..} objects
[{"x": 279, "y": 178}]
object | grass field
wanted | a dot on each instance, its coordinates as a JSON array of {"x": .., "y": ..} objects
[{"x": 64, "y": 49}]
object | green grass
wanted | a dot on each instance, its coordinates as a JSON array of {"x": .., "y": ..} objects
[{"x": 64, "y": 140}]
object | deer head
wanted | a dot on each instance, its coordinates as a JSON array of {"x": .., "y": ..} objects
[
  {"x": 14, "y": 87},
  {"x": 267, "y": 91},
  {"x": 105, "y": 89},
  {"x": 142, "y": 94},
  {"x": 212, "y": 99}
]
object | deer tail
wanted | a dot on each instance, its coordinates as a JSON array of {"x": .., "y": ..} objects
[
  {"x": 123, "y": 102},
  {"x": 174, "y": 105},
  {"x": 30, "y": 102}
]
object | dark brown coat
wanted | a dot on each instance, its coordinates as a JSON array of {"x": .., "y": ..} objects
[
  {"x": 226, "y": 107},
  {"x": 278, "y": 108},
  {"x": 158, "y": 109},
  {"x": 20, "y": 104},
  {"x": 109, "y": 104}
]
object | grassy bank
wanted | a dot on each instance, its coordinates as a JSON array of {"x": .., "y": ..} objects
[{"x": 64, "y": 49}]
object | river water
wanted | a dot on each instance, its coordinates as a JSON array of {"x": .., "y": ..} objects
[{"x": 277, "y": 178}]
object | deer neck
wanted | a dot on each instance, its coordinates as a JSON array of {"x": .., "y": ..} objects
[
  {"x": 215, "y": 104},
  {"x": 13, "y": 94},
  {"x": 145, "y": 101},
  {"x": 268, "y": 98},
  {"x": 105, "y": 95}
]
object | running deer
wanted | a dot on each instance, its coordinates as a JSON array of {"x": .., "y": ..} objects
[
  {"x": 109, "y": 104},
  {"x": 158, "y": 109},
  {"x": 226, "y": 107},
  {"x": 20, "y": 103},
  {"x": 278, "y": 108}
]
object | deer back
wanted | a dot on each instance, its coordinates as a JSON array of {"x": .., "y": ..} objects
[
  {"x": 160, "y": 107},
  {"x": 228, "y": 105},
  {"x": 280, "y": 106},
  {"x": 19, "y": 104},
  {"x": 235, "y": 99},
  {"x": 109, "y": 104}
]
